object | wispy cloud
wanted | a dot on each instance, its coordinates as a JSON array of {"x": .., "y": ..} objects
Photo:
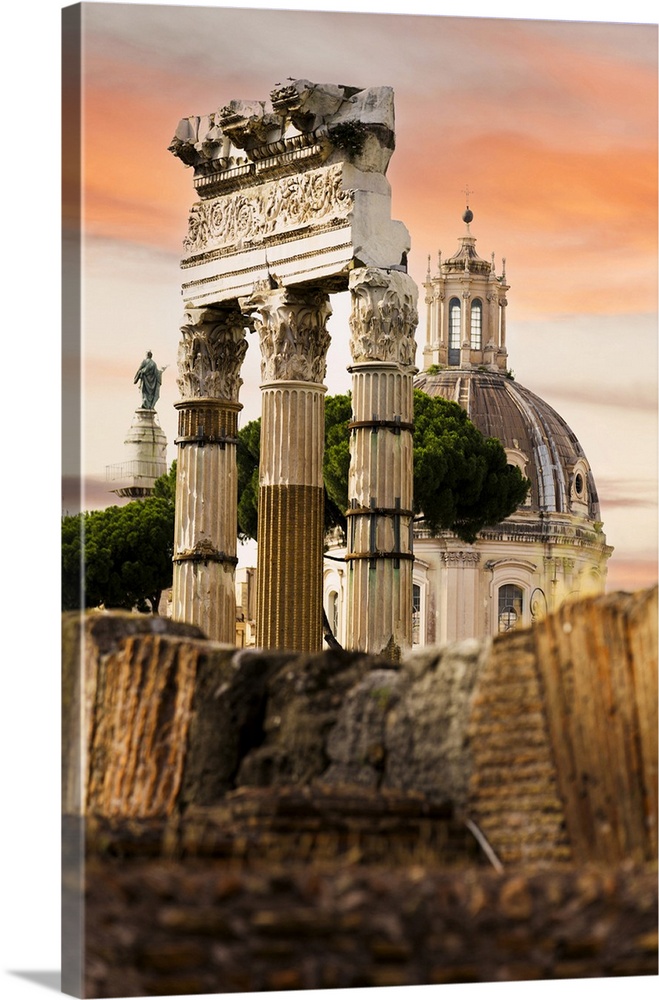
[
  {"x": 631, "y": 574},
  {"x": 552, "y": 125},
  {"x": 636, "y": 397},
  {"x": 617, "y": 492}
]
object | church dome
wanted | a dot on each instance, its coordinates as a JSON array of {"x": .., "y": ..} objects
[{"x": 536, "y": 438}]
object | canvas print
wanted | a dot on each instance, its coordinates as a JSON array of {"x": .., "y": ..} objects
[{"x": 359, "y": 555}]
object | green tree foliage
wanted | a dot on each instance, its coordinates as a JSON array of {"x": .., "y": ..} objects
[
  {"x": 247, "y": 459},
  {"x": 126, "y": 553},
  {"x": 462, "y": 480},
  {"x": 336, "y": 458}
]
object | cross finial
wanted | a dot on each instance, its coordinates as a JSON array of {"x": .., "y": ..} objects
[{"x": 466, "y": 193}]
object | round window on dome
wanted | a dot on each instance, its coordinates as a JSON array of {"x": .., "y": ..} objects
[{"x": 578, "y": 484}]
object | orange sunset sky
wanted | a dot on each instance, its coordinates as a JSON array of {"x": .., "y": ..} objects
[{"x": 551, "y": 124}]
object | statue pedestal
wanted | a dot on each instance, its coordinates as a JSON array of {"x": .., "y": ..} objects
[{"x": 146, "y": 456}]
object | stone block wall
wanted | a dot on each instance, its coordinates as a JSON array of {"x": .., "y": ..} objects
[{"x": 545, "y": 738}]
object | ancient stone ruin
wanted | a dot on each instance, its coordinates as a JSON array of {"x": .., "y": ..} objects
[
  {"x": 293, "y": 204},
  {"x": 286, "y": 818},
  {"x": 249, "y": 820},
  {"x": 546, "y": 738}
]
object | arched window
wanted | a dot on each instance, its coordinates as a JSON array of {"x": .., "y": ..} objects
[
  {"x": 333, "y": 612},
  {"x": 454, "y": 324},
  {"x": 476, "y": 325},
  {"x": 416, "y": 614},
  {"x": 510, "y": 609}
]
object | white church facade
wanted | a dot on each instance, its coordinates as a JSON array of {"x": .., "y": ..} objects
[{"x": 552, "y": 548}]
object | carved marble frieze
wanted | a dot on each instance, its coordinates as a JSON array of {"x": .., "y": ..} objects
[
  {"x": 211, "y": 353},
  {"x": 292, "y": 329},
  {"x": 271, "y": 211},
  {"x": 383, "y": 317}
]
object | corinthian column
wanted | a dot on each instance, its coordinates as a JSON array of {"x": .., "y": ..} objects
[
  {"x": 294, "y": 341},
  {"x": 211, "y": 353},
  {"x": 382, "y": 321}
]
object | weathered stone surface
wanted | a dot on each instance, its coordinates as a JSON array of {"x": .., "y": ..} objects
[
  {"x": 356, "y": 745},
  {"x": 407, "y": 729},
  {"x": 426, "y": 729},
  {"x": 170, "y": 719},
  {"x": 89, "y": 641},
  {"x": 231, "y": 698},
  {"x": 512, "y": 792},
  {"x": 305, "y": 696},
  {"x": 283, "y": 825},
  {"x": 295, "y": 192},
  {"x": 549, "y": 749},
  {"x": 597, "y": 666}
]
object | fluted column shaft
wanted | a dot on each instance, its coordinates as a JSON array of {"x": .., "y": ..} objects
[
  {"x": 211, "y": 352},
  {"x": 380, "y": 558},
  {"x": 294, "y": 342}
]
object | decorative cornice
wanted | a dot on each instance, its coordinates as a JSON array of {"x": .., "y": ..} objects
[
  {"x": 461, "y": 558},
  {"x": 330, "y": 119}
]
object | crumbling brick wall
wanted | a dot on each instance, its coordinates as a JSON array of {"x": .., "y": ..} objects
[
  {"x": 168, "y": 927},
  {"x": 513, "y": 790}
]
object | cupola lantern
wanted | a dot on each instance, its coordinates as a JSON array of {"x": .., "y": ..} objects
[{"x": 466, "y": 300}]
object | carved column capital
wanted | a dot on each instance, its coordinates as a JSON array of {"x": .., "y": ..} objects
[
  {"x": 292, "y": 329},
  {"x": 211, "y": 352},
  {"x": 383, "y": 317}
]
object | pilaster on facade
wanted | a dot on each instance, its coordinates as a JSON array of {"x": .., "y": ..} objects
[
  {"x": 292, "y": 329},
  {"x": 211, "y": 353},
  {"x": 380, "y": 558}
]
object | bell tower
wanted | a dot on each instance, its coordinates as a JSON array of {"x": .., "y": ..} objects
[{"x": 466, "y": 318}]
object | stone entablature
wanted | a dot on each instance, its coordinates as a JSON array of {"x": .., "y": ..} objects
[{"x": 294, "y": 194}]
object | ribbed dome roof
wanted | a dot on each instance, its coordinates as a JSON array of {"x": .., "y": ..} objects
[
  {"x": 466, "y": 257},
  {"x": 502, "y": 408}
]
